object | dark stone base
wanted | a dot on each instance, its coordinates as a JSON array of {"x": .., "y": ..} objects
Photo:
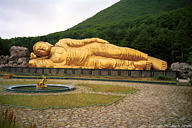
[{"x": 89, "y": 72}]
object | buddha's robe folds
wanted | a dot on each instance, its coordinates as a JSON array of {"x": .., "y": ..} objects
[{"x": 93, "y": 53}]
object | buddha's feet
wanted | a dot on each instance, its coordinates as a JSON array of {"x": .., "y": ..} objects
[
  {"x": 148, "y": 65},
  {"x": 142, "y": 65},
  {"x": 158, "y": 64}
]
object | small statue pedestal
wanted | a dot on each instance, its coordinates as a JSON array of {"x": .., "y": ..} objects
[
  {"x": 7, "y": 76},
  {"x": 183, "y": 81}
]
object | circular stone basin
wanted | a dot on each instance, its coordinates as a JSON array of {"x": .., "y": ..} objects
[{"x": 31, "y": 88}]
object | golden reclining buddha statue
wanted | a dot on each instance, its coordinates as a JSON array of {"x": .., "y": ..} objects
[{"x": 92, "y": 53}]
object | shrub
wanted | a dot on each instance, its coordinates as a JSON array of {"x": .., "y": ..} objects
[
  {"x": 7, "y": 119},
  {"x": 190, "y": 77},
  {"x": 163, "y": 78}
]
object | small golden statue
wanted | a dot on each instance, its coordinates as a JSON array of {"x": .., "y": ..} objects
[{"x": 41, "y": 84}]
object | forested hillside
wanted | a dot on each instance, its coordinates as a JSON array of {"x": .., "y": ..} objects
[
  {"x": 131, "y": 9},
  {"x": 161, "y": 28}
]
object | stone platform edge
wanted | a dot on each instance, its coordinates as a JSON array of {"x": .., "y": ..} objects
[{"x": 90, "y": 72}]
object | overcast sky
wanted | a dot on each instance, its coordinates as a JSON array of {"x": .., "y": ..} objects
[{"x": 20, "y": 18}]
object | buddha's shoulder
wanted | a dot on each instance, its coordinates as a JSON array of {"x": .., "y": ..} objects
[{"x": 57, "y": 49}]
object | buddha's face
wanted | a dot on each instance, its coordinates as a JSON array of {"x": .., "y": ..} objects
[{"x": 42, "y": 48}]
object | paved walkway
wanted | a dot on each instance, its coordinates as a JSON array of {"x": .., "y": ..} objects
[{"x": 153, "y": 106}]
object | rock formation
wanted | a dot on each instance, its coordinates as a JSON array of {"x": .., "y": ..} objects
[
  {"x": 4, "y": 60},
  {"x": 185, "y": 70},
  {"x": 18, "y": 57}
]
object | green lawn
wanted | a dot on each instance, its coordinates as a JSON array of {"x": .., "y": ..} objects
[
  {"x": 110, "y": 88},
  {"x": 61, "y": 101},
  {"x": 65, "y": 100},
  {"x": 34, "y": 88},
  {"x": 29, "y": 82}
]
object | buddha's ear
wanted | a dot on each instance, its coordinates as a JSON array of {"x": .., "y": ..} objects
[{"x": 47, "y": 43}]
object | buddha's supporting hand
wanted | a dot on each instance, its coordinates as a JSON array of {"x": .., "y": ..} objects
[
  {"x": 33, "y": 56},
  {"x": 41, "y": 62}
]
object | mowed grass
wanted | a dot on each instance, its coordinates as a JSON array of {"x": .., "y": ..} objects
[
  {"x": 29, "y": 82},
  {"x": 58, "y": 101},
  {"x": 34, "y": 88},
  {"x": 65, "y": 100},
  {"x": 110, "y": 88}
]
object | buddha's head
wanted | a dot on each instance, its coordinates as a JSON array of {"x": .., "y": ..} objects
[{"x": 42, "y": 48}]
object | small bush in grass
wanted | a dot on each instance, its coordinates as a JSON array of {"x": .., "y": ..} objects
[
  {"x": 163, "y": 78},
  {"x": 7, "y": 119},
  {"x": 190, "y": 83}
]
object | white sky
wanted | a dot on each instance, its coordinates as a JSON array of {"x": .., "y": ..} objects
[{"x": 20, "y": 18}]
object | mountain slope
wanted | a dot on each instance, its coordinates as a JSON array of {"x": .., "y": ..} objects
[
  {"x": 161, "y": 28},
  {"x": 131, "y": 9}
]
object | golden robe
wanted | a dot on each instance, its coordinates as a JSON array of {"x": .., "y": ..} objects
[{"x": 93, "y": 53}]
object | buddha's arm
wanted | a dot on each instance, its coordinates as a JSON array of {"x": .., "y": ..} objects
[
  {"x": 112, "y": 51},
  {"x": 78, "y": 43},
  {"x": 94, "y": 40}
]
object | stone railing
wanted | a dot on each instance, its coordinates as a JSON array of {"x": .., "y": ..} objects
[{"x": 87, "y": 72}]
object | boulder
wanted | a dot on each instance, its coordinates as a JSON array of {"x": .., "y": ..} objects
[
  {"x": 184, "y": 69},
  {"x": 175, "y": 66},
  {"x": 4, "y": 59},
  {"x": 20, "y": 61},
  {"x": 15, "y": 65},
  {"x": 24, "y": 64},
  {"x": 11, "y": 62},
  {"x": 18, "y": 51},
  {"x": 2, "y": 65},
  {"x": 13, "y": 58},
  {"x": 19, "y": 57}
]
